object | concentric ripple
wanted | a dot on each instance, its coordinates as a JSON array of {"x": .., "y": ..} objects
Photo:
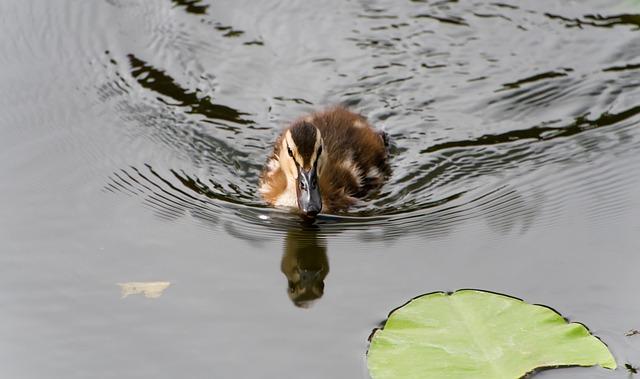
[{"x": 490, "y": 126}]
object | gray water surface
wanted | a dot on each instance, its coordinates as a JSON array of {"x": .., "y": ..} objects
[{"x": 132, "y": 134}]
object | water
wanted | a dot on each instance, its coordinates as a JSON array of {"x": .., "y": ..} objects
[{"x": 132, "y": 134}]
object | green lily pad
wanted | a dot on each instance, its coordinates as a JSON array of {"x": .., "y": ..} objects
[{"x": 478, "y": 334}]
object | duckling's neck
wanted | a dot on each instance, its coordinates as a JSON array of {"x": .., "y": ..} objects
[{"x": 289, "y": 197}]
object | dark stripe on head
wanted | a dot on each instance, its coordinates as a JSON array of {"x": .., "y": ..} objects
[{"x": 304, "y": 136}]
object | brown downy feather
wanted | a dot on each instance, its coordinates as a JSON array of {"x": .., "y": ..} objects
[{"x": 354, "y": 158}]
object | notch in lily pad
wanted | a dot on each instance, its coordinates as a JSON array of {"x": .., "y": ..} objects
[{"x": 479, "y": 334}]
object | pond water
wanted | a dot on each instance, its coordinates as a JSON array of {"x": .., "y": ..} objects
[{"x": 132, "y": 134}]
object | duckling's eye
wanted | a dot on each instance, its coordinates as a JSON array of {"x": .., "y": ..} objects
[
  {"x": 318, "y": 156},
  {"x": 303, "y": 186},
  {"x": 290, "y": 152}
]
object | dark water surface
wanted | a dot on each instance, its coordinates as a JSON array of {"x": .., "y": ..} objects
[{"x": 132, "y": 134}]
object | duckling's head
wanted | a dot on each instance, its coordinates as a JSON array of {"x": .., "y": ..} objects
[{"x": 301, "y": 159}]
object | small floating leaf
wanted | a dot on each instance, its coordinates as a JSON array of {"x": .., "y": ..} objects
[
  {"x": 632, "y": 333},
  {"x": 477, "y": 334},
  {"x": 151, "y": 290}
]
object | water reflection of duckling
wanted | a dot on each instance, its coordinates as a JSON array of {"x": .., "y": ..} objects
[
  {"x": 305, "y": 264},
  {"x": 324, "y": 162}
]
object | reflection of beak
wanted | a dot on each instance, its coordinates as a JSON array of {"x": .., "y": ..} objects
[{"x": 309, "y": 200}]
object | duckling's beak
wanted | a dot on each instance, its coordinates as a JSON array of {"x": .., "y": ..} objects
[{"x": 309, "y": 199}]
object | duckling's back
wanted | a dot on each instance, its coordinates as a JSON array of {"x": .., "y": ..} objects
[{"x": 356, "y": 157}]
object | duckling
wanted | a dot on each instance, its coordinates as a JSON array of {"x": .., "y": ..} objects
[{"x": 325, "y": 161}]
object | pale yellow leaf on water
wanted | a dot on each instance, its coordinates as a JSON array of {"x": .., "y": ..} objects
[{"x": 150, "y": 290}]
